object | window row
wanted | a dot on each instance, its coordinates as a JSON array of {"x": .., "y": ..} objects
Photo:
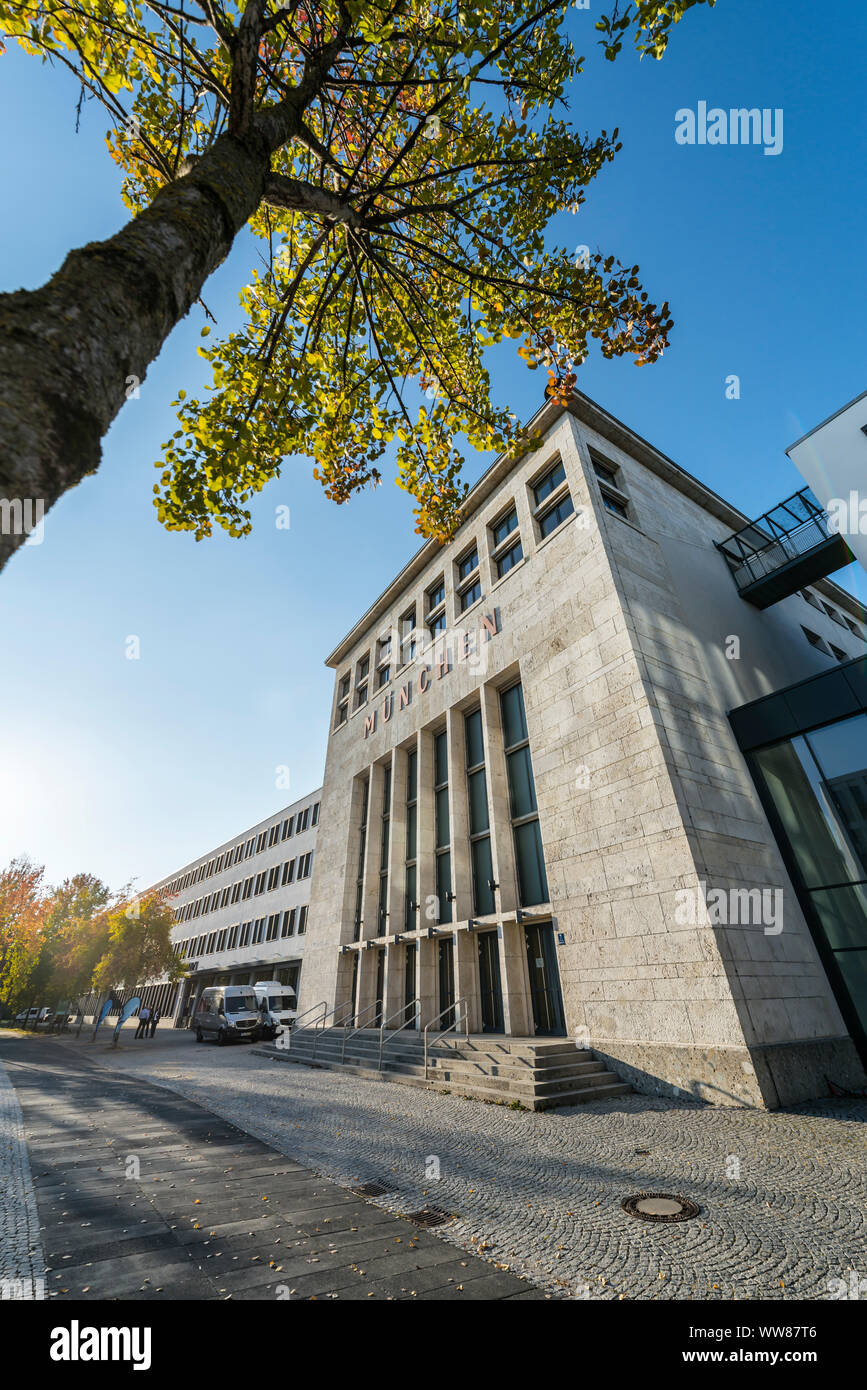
[
  {"x": 278, "y": 925},
  {"x": 265, "y": 882},
  {"x": 551, "y": 505},
  {"x": 526, "y": 835},
  {"x": 841, "y": 619},
  {"x": 292, "y": 825}
]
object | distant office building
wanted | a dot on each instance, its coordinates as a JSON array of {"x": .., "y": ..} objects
[
  {"x": 241, "y": 910},
  {"x": 598, "y": 769}
]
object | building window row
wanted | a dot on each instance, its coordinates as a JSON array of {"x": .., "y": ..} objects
[
  {"x": 265, "y": 882},
  {"x": 292, "y": 922},
  {"x": 522, "y": 825},
  {"x": 280, "y": 831},
  {"x": 551, "y": 506},
  {"x": 840, "y": 618}
]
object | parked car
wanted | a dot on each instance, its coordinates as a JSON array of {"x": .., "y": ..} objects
[
  {"x": 276, "y": 1007},
  {"x": 34, "y": 1015},
  {"x": 227, "y": 1013}
]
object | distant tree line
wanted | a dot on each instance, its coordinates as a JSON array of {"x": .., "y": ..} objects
[{"x": 58, "y": 944}]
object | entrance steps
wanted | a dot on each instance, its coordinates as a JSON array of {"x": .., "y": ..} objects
[{"x": 535, "y": 1073}]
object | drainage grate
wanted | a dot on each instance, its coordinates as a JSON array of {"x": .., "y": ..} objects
[
  {"x": 429, "y": 1216},
  {"x": 372, "y": 1189},
  {"x": 660, "y": 1206}
]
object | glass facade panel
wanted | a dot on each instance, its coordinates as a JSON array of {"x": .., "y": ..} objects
[
  {"x": 817, "y": 783},
  {"x": 442, "y": 817},
  {"x": 444, "y": 886},
  {"x": 514, "y": 718},
  {"x": 478, "y": 795},
  {"x": 441, "y": 759},
  {"x": 475, "y": 742},
  {"x": 532, "y": 880},
  {"x": 522, "y": 790},
  {"x": 482, "y": 876},
  {"x": 806, "y": 811},
  {"x": 409, "y": 912}
]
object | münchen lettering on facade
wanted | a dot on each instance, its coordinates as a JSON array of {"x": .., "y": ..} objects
[{"x": 458, "y": 646}]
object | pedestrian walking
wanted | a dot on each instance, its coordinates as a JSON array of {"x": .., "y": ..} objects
[
  {"x": 144, "y": 1016},
  {"x": 155, "y": 1018}
]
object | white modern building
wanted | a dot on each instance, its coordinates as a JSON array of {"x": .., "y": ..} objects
[
  {"x": 241, "y": 910},
  {"x": 832, "y": 458},
  {"x": 597, "y": 769}
]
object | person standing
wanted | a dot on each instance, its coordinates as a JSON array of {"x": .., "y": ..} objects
[
  {"x": 155, "y": 1018},
  {"x": 144, "y": 1015}
]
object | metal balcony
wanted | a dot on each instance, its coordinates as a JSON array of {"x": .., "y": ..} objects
[{"x": 790, "y": 546}]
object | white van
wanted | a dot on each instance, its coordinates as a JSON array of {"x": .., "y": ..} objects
[
  {"x": 276, "y": 1007},
  {"x": 227, "y": 1013}
]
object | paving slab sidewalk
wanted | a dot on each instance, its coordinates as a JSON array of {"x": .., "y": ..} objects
[{"x": 143, "y": 1194}]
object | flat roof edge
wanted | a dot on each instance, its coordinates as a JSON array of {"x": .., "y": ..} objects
[{"x": 821, "y": 426}]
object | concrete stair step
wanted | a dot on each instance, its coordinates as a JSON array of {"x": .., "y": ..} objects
[{"x": 535, "y": 1096}]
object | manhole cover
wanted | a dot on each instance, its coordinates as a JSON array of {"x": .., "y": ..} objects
[
  {"x": 371, "y": 1189},
  {"x": 660, "y": 1206},
  {"x": 429, "y": 1216}
]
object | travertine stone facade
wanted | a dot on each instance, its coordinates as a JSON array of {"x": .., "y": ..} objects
[{"x": 631, "y": 644}]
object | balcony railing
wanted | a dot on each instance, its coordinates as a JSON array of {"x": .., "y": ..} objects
[{"x": 789, "y": 546}]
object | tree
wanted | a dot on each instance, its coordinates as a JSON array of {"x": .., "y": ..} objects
[
  {"x": 397, "y": 162},
  {"x": 22, "y": 911},
  {"x": 139, "y": 945},
  {"x": 76, "y": 935}
]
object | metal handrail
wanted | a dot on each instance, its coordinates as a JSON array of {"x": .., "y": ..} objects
[
  {"x": 377, "y": 1004},
  {"x": 323, "y": 1004},
  {"x": 320, "y": 1025},
  {"x": 461, "y": 1014},
  {"x": 408, "y": 1022}
]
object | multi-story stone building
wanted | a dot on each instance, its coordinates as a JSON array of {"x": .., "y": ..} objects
[
  {"x": 598, "y": 768},
  {"x": 241, "y": 910}
]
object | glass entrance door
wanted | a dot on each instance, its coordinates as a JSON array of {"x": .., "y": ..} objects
[
  {"x": 447, "y": 981},
  {"x": 409, "y": 995},
  {"x": 489, "y": 983},
  {"x": 548, "y": 1017}
]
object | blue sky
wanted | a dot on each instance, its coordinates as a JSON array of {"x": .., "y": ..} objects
[{"x": 130, "y": 768}]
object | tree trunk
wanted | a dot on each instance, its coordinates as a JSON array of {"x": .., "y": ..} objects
[{"x": 68, "y": 350}]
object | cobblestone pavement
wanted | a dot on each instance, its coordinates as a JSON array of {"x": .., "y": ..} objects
[
  {"x": 783, "y": 1196},
  {"x": 22, "y": 1265},
  {"x": 143, "y": 1194}
]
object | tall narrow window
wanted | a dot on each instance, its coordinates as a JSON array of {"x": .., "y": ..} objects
[
  {"x": 480, "y": 826},
  {"x": 506, "y": 543},
  {"x": 411, "y": 885},
  {"x": 443, "y": 834},
  {"x": 407, "y": 637},
  {"x": 382, "y": 914},
  {"x": 553, "y": 501},
  {"x": 342, "y": 700},
  {"x": 469, "y": 584},
  {"x": 530, "y": 861},
  {"x": 362, "y": 671},
  {"x": 359, "y": 877},
  {"x": 383, "y": 661}
]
